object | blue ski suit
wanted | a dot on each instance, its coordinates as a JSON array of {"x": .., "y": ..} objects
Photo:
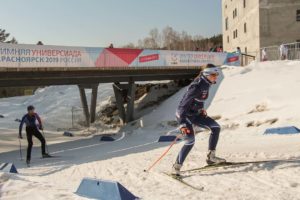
[{"x": 189, "y": 113}]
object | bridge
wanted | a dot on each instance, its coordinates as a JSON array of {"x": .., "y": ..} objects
[
  {"x": 87, "y": 67},
  {"x": 123, "y": 79}
]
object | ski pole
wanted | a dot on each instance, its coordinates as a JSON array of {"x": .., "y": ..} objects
[
  {"x": 20, "y": 146},
  {"x": 165, "y": 153},
  {"x": 47, "y": 150}
]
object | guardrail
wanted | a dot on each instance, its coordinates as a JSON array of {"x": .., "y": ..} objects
[{"x": 290, "y": 51}]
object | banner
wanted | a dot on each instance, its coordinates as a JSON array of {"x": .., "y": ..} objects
[{"x": 22, "y": 55}]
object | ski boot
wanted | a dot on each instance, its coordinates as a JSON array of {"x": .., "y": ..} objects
[
  {"x": 46, "y": 155},
  {"x": 212, "y": 159},
  {"x": 176, "y": 169}
]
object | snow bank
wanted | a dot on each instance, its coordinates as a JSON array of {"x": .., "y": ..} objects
[{"x": 54, "y": 104}]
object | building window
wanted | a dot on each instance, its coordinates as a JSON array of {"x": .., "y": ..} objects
[
  {"x": 227, "y": 39},
  {"x": 226, "y": 6},
  {"x": 235, "y": 34},
  {"x": 234, "y": 13},
  {"x": 244, "y": 3},
  {"x": 298, "y": 15},
  {"x": 245, "y": 27},
  {"x": 226, "y": 23}
]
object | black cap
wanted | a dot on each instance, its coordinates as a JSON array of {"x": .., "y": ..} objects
[{"x": 30, "y": 108}]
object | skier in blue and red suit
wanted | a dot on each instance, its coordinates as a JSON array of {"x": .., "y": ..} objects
[
  {"x": 191, "y": 112},
  {"x": 32, "y": 129}
]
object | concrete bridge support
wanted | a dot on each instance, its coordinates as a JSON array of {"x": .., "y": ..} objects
[
  {"x": 125, "y": 92},
  {"x": 90, "y": 115}
]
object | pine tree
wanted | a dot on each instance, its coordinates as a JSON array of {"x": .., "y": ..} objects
[{"x": 4, "y": 37}]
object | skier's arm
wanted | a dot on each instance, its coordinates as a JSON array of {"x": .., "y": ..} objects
[
  {"x": 39, "y": 120},
  {"x": 21, "y": 126},
  {"x": 186, "y": 103}
]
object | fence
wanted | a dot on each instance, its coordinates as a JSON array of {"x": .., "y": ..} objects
[
  {"x": 291, "y": 51},
  {"x": 78, "y": 119}
]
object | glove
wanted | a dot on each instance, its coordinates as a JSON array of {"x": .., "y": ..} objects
[
  {"x": 41, "y": 128},
  {"x": 185, "y": 130},
  {"x": 20, "y": 137},
  {"x": 203, "y": 112}
]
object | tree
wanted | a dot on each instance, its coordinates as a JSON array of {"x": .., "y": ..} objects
[
  {"x": 4, "y": 37},
  {"x": 170, "y": 39}
]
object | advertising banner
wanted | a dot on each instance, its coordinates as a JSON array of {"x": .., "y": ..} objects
[{"x": 22, "y": 55}]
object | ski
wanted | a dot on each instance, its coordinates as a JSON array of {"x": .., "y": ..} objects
[
  {"x": 180, "y": 179},
  {"x": 228, "y": 164},
  {"x": 50, "y": 157},
  {"x": 207, "y": 167}
]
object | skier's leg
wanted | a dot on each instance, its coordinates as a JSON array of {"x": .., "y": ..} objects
[
  {"x": 209, "y": 123},
  {"x": 189, "y": 143},
  {"x": 39, "y": 136},
  {"x": 213, "y": 126},
  {"x": 214, "y": 136},
  {"x": 29, "y": 132}
]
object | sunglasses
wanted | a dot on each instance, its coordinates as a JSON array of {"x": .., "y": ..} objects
[{"x": 215, "y": 74}]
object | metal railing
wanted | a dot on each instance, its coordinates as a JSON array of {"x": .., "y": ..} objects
[
  {"x": 290, "y": 51},
  {"x": 246, "y": 59}
]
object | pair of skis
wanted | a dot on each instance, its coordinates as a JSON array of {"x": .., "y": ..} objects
[
  {"x": 50, "y": 156},
  {"x": 180, "y": 178}
]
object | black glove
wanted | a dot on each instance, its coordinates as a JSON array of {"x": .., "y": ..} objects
[
  {"x": 20, "y": 137},
  {"x": 203, "y": 112}
]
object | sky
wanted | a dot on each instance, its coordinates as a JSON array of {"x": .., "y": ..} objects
[{"x": 97, "y": 23}]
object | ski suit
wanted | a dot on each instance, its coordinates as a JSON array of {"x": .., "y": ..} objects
[
  {"x": 32, "y": 130},
  {"x": 189, "y": 113}
]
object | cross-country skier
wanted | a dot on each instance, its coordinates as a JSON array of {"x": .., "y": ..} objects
[
  {"x": 191, "y": 112},
  {"x": 32, "y": 129}
]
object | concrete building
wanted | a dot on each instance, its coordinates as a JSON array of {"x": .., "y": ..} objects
[{"x": 253, "y": 24}]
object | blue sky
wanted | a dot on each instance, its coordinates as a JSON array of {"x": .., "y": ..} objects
[{"x": 100, "y": 22}]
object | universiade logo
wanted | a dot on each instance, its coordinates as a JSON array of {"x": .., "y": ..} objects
[
  {"x": 192, "y": 58},
  {"x": 174, "y": 59}
]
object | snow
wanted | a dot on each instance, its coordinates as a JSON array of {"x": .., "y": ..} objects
[
  {"x": 54, "y": 104},
  {"x": 264, "y": 95}
]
